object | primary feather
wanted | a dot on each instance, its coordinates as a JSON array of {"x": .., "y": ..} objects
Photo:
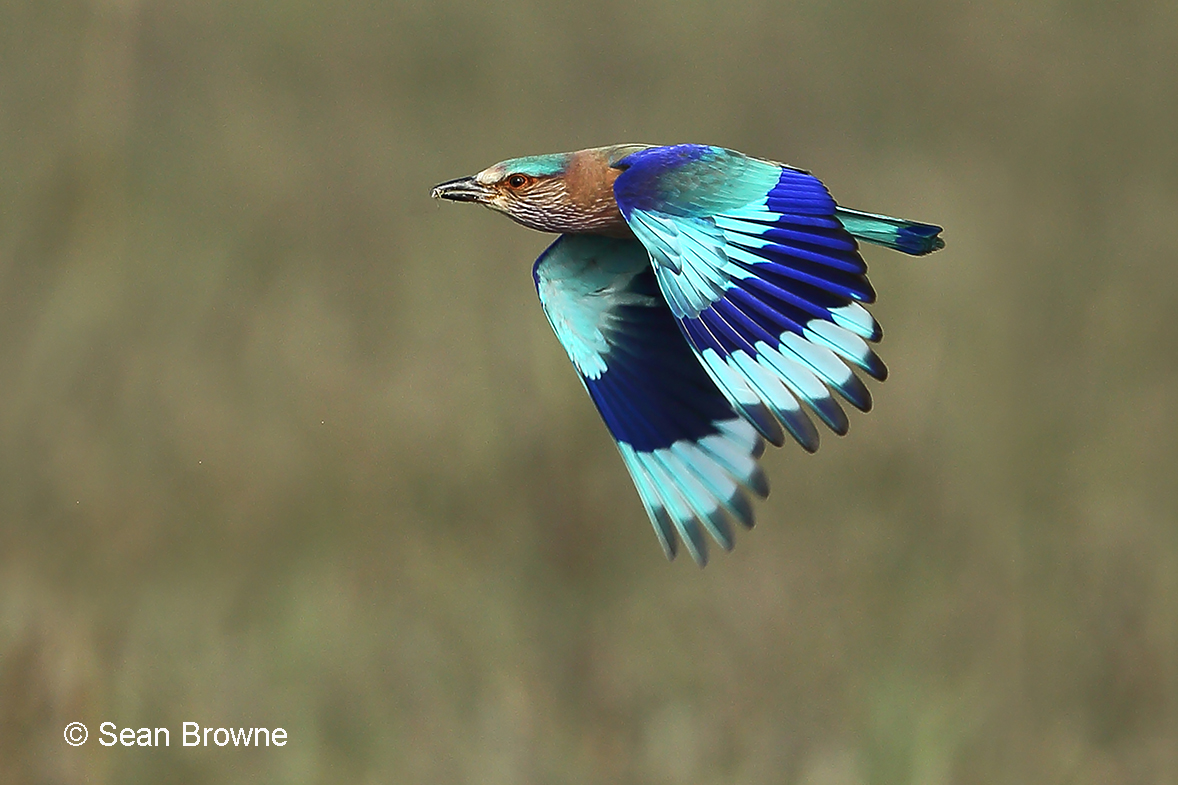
[{"x": 708, "y": 300}]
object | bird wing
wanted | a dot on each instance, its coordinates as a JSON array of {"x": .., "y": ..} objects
[
  {"x": 764, "y": 279},
  {"x": 692, "y": 458}
]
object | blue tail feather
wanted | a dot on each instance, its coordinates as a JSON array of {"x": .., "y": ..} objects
[{"x": 910, "y": 237}]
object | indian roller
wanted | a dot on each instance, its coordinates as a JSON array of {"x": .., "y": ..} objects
[{"x": 710, "y": 301}]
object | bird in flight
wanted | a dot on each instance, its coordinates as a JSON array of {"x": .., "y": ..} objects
[{"x": 710, "y": 301}]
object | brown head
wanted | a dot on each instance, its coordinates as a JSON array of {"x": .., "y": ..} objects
[{"x": 558, "y": 192}]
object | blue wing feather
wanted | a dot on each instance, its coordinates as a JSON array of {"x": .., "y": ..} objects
[
  {"x": 763, "y": 273},
  {"x": 691, "y": 456}
]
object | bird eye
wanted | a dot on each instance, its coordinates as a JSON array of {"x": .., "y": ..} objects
[{"x": 518, "y": 180}]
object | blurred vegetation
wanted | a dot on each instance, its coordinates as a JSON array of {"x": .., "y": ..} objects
[{"x": 286, "y": 443}]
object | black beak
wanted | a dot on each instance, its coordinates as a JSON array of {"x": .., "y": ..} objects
[{"x": 464, "y": 189}]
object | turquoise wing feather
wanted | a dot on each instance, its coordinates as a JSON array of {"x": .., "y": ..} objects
[
  {"x": 692, "y": 458},
  {"x": 762, "y": 271}
]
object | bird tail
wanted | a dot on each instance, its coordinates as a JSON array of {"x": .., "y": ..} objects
[{"x": 910, "y": 237}]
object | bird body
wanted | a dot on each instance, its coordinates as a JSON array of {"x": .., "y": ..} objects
[{"x": 709, "y": 301}]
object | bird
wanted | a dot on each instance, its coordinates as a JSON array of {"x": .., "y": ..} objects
[{"x": 710, "y": 301}]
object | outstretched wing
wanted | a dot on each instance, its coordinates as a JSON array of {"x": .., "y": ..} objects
[
  {"x": 757, "y": 264},
  {"x": 692, "y": 458}
]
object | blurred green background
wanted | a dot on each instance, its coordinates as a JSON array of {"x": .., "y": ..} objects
[{"x": 287, "y": 443}]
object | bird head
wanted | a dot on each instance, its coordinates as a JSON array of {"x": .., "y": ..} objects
[
  {"x": 521, "y": 188},
  {"x": 558, "y": 192}
]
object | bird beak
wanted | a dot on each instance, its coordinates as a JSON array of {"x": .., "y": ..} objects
[{"x": 464, "y": 189}]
